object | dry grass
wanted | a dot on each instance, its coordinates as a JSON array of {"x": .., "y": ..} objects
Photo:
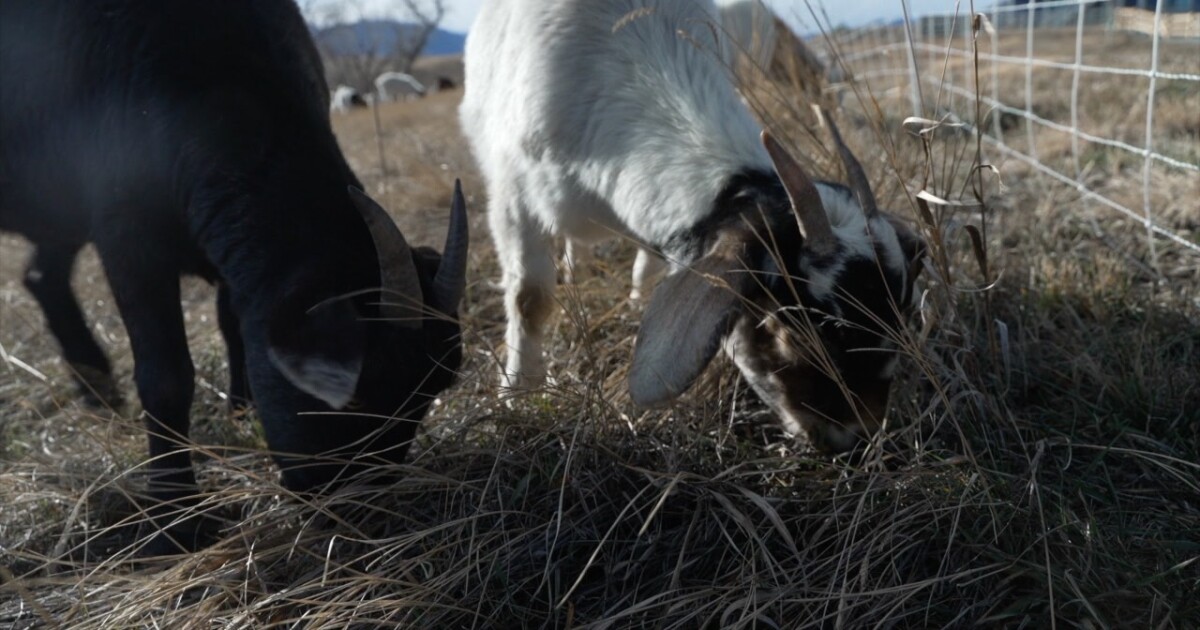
[{"x": 1040, "y": 465}]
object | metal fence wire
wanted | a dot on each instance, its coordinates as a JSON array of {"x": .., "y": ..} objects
[{"x": 935, "y": 55}]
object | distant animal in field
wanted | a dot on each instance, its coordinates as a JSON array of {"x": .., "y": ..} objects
[
  {"x": 445, "y": 83},
  {"x": 591, "y": 119},
  {"x": 397, "y": 86},
  {"x": 345, "y": 98},
  {"x": 194, "y": 138}
]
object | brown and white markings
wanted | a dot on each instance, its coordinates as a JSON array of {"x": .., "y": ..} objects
[
  {"x": 590, "y": 119},
  {"x": 811, "y": 313}
]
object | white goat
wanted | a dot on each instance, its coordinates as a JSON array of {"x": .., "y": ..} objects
[
  {"x": 757, "y": 41},
  {"x": 343, "y": 99},
  {"x": 391, "y": 86},
  {"x": 591, "y": 119}
]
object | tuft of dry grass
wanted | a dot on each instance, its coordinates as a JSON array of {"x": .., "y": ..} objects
[{"x": 1039, "y": 466}]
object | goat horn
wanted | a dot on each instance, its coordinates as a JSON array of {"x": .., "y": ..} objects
[
  {"x": 401, "y": 298},
  {"x": 451, "y": 279},
  {"x": 806, "y": 201},
  {"x": 859, "y": 184}
]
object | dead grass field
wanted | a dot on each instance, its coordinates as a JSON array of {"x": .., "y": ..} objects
[{"x": 1039, "y": 466}]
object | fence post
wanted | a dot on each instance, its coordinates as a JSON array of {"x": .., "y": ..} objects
[
  {"x": 970, "y": 80},
  {"x": 1146, "y": 160},
  {"x": 953, "y": 91},
  {"x": 997, "y": 130},
  {"x": 1081, "y": 18},
  {"x": 1031, "y": 146},
  {"x": 914, "y": 75}
]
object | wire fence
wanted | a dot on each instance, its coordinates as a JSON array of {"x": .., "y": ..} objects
[{"x": 1063, "y": 85}]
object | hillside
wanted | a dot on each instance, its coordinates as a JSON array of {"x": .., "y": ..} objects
[{"x": 380, "y": 37}]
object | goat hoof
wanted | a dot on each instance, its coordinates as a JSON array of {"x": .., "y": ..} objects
[
  {"x": 98, "y": 387},
  {"x": 190, "y": 534}
]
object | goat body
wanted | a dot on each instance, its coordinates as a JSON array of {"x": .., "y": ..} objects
[
  {"x": 193, "y": 137},
  {"x": 593, "y": 119},
  {"x": 391, "y": 86}
]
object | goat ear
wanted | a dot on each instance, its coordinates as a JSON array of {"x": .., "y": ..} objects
[
  {"x": 688, "y": 315},
  {"x": 320, "y": 351}
]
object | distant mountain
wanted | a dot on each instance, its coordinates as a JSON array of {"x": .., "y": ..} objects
[
  {"x": 445, "y": 43},
  {"x": 381, "y": 36}
]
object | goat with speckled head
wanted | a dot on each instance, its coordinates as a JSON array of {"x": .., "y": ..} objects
[{"x": 591, "y": 119}]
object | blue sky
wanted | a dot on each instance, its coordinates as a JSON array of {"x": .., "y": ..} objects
[{"x": 460, "y": 13}]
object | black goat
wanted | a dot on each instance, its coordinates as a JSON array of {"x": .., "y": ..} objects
[{"x": 193, "y": 137}]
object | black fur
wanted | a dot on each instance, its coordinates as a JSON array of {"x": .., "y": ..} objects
[
  {"x": 752, "y": 197},
  {"x": 192, "y": 136},
  {"x": 739, "y": 199}
]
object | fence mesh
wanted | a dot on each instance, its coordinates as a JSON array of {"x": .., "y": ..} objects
[{"x": 1094, "y": 96}]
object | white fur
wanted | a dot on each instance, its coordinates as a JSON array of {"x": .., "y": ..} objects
[
  {"x": 634, "y": 131},
  {"x": 591, "y": 119},
  {"x": 341, "y": 99},
  {"x": 746, "y": 27},
  {"x": 850, "y": 227},
  {"x": 392, "y": 86},
  {"x": 646, "y": 268},
  {"x": 597, "y": 118}
]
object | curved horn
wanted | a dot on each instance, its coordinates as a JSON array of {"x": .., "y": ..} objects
[
  {"x": 401, "y": 300},
  {"x": 451, "y": 279},
  {"x": 806, "y": 201},
  {"x": 859, "y": 184}
]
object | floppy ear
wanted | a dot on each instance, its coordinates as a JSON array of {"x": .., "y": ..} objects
[
  {"x": 688, "y": 315},
  {"x": 320, "y": 351}
]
